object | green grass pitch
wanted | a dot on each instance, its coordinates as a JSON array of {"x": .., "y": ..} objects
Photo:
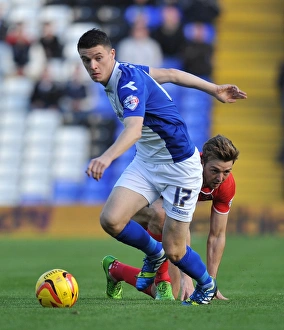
[{"x": 251, "y": 275}]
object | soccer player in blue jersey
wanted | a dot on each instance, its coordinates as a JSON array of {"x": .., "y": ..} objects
[
  {"x": 218, "y": 157},
  {"x": 166, "y": 163}
]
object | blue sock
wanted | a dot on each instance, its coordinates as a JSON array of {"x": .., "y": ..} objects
[
  {"x": 135, "y": 235},
  {"x": 192, "y": 265}
]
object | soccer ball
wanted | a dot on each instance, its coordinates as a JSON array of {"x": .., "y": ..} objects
[{"x": 57, "y": 288}]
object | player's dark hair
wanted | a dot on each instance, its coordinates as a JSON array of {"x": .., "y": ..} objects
[
  {"x": 219, "y": 148},
  {"x": 93, "y": 38}
]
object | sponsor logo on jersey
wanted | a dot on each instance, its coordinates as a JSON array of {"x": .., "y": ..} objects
[
  {"x": 179, "y": 211},
  {"x": 130, "y": 85},
  {"x": 131, "y": 102}
]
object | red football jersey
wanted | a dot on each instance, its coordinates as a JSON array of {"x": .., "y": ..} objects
[{"x": 221, "y": 197}]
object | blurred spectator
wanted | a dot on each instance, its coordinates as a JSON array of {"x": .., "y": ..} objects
[
  {"x": 198, "y": 52},
  {"x": 50, "y": 41},
  {"x": 170, "y": 36},
  {"x": 28, "y": 55},
  {"x": 205, "y": 11},
  {"x": 47, "y": 92},
  {"x": 139, "y": 47},
  {"x": 3, "y": 23},
  {"x": 148, "y": 9},
  {"x": 168, "y": 3},
  {"x": 110, "y": 18},
  {"x": 76, "y": 103},
  {"x": 20, "y": 42}
]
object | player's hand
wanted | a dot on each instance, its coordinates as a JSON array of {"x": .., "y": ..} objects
[
  {"x": 220, "y": 296},
  {"x": 186, "y": 287},
  {"x": 97, "y": 166},
  {"x": 229, "y": 93}
]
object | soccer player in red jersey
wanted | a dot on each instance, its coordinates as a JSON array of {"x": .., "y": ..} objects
[{"x": 217, "y": 157}]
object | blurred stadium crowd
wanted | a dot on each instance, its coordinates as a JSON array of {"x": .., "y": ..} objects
[{"x": 53, "y": 119}]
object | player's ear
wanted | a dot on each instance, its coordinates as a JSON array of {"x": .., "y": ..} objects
[{"x": 112, "y": 53}]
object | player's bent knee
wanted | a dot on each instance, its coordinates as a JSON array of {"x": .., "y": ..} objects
[
  {"x": 174, "y": 256},
  {"x": 110, "y": 224}
]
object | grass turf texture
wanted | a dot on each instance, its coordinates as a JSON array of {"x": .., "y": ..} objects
[{"x": 251, "y": 275}]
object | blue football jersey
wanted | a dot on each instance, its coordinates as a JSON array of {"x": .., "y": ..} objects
[{"x": 132, "y": 92}]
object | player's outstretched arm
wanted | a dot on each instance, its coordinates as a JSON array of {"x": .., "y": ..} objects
[{"x": 224, "y": 93}]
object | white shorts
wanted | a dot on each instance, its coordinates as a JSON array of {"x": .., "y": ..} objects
[{"x": 179, "y": 184}]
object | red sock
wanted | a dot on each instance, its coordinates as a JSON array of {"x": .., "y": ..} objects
[
  {"x": 122, "y": 272},
  {"x": 157, "y": 237},
  {"x": 162, "y": 273},
  {"x": 128, "y": 274}
]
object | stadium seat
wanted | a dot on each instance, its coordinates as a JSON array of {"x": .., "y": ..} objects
[
  {"x": 44, "y": 119},
  {"x": 36, "y": 153},
  {"x": 7, "y": 65},
  {"x": 35, "y": 191},
  {"x": 152, "y": 14},
  {"x": 41, "y": 130},
  {"x": 16, "y": 92},
  {"x": 96, "y": 192},
  {"x": 36, "y": 169},
  {"x": 72, "y": 143},
  {"x": 69, "y": 172},
  {"x": 10, "y": 155},
  {"x": 71, "y": 153},
  {"x": 60, "y": 15},
  {"x": 75, "y": 31},
  {"x": 36, "y": 139},
  {"x": 27, "y": 3},
  {"x": 15, "y": 120},
  {"x": 63, "y": 154},
  {"x": 199, "y": 135},
  {"x": 59, "y": 70},
  {"x": 209, "y": 32},
  {"x": 9, "y": 195},
  {"x": 171, "y": 62},
  {"x": 11, "y": 138},
  {"x": 28, "y": 14},
  {"x": 76, "y": 136},
  {"x": 112, "y": 21},
  {"x": 66, "y": 192},
  {"x": 12, "y": 127}
]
